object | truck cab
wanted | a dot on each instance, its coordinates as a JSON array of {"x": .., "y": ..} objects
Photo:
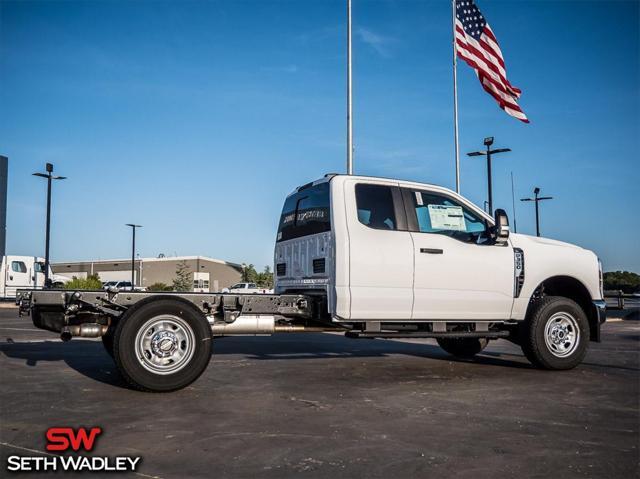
[
  {"x": 388, "y": 251},
  {"x": 20, "y": 272}
]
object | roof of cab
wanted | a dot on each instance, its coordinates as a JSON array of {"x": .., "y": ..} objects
[
  {"x": 406, "y": 183},
  {"x": 329, "y": 176}
]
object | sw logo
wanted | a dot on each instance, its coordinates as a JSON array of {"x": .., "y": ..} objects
[
  {"x": 65, "y": 438},
  {"x": 75, "y": 441}
]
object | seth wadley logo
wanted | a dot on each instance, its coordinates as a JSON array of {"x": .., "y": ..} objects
[{"x": 65, "y": 439}]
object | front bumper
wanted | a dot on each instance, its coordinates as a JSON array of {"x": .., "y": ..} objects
[{"x": 600, "y": 317}]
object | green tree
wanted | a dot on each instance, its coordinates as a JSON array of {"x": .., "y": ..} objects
[
  {"x": 182, "y": 281},
  {"x": 622, "y": 280},
  {"x": 249, "y": 273},
  {"x": 159, "y": 287},
  {"x": 265, "y": 279},
  {"x": 90, "y": 282}
]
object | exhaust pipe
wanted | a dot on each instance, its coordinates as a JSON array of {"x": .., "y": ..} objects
[
  {"x": 84, "y": 330},
  {"x": 254, "y": 325}
]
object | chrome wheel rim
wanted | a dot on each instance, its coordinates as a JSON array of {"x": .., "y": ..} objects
[
  {"x": 165, "y": 344},
  {"x": 562, "y": 334}
]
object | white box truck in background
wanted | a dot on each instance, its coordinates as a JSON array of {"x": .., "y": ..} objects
[{"x": 24, "y": 272}]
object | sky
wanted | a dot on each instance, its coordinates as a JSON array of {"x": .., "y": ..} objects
[{"x": 195, "y": 119}]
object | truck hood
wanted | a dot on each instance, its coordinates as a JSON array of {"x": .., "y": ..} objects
[{"x": 519, "y": 240}]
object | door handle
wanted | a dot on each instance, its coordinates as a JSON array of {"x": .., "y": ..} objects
[{"x": 431, "y": 250}]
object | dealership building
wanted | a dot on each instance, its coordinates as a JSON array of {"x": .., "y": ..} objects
[{"x": 207, "y": 274}]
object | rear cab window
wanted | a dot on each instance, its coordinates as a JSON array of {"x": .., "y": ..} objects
[{"x": 306, "y": 212}]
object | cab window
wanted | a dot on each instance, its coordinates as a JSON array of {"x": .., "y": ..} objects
[
  {"x": 18, "y": 267},
  {"x": 440, "y": 214},
  {"x": 305, "y": 212},
  {"x": 375, "y": 206}
]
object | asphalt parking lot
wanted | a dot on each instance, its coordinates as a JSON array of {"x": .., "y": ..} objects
[{"x": 318, "y": 405}]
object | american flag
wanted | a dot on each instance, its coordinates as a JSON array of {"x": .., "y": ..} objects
[{"x": 477, "y": 45}]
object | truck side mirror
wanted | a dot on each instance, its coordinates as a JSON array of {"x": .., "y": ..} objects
[{"x": 500, "y": 231}]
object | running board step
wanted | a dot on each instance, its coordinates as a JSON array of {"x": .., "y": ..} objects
[{"x": 427, "y": 334}]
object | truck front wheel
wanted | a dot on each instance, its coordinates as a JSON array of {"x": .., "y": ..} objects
[
  {"x": 163, "y": 345},
  {"x": 463, "y": 347},
  {"x": 555, "y": 334}
]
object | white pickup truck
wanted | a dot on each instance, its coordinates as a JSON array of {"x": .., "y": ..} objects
[
  {"x": 372, "y": 257},
  {"x": 247, "y": 288}
]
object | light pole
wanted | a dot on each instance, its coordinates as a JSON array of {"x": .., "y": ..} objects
[
  {"x": 133, "y": 254},
  {"x": 488, "y": 142},
  {"x": 349, "y": 94},
  {"x": 49, "y": 176},
  {"x": 537, "y": 199}
]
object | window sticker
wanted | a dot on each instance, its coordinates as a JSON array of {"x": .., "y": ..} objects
[
  {"x": 419, "y": 198},
  {"x": 447, "y": 218}
]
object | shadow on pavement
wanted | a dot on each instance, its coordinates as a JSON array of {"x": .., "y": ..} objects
[
  {"x": 91, "y": 360},
  {"x": 86, "y": 357}
]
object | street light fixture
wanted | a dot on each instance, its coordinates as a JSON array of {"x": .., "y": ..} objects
[
  {"x": 49, "y": 176},
  {"x": 537, "y": 199},
  {"x": 488, "y": 142},
  {"x": 133, "y": 254}
]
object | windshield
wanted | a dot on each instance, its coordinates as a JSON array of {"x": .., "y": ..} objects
[{"x": 306, "y": 212}]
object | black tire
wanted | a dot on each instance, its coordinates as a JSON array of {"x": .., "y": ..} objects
[
  {"x": 107, "y": 341},
  {"x": 545, "y": 347},
  {"x": 191, "y": 341},
  {"x": 463, "y": 347}
]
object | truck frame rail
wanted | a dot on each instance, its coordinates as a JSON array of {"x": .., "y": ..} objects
[{"x": 91, "y": 313}]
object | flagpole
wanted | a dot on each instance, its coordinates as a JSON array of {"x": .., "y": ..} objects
[
  {"x": 513, "y": 205},
  {"x": 455, "y": 95},
  {"x": 349, "y": 95}
]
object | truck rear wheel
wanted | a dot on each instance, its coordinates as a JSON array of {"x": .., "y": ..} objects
[
  {"x": 163, "y": 345},
  {"x": 555, "y": 334},
  {"x": 463, "y": 347}
]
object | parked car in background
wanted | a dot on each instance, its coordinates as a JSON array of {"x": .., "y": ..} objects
[
  {"x": 122, "y": 286},
  {"x": 247, "y": 288}
]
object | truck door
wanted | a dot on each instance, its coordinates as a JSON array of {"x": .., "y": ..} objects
[
  {"x": 17, "y": 275},
  {"x": 38, "y": 273},
  {"x": 380, "y": 252},
  {"x": 458, "y": 275}
]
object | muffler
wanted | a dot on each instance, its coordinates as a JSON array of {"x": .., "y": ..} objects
[
  {"x": 252, "y": 325},
  {"x": 84, "y": 330}
]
